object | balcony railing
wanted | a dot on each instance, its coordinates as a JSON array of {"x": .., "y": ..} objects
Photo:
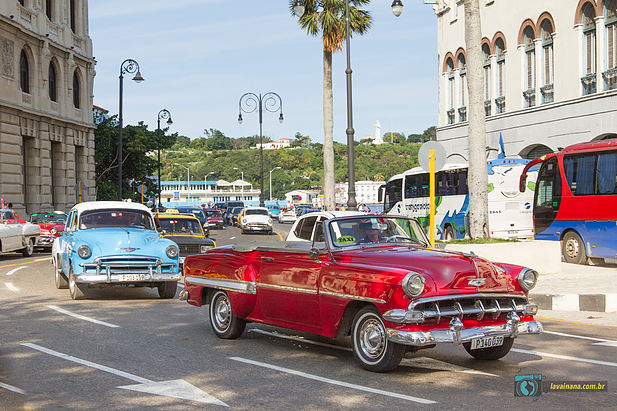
[
  {"x": 530, "y": 97},
  {"x": 462, "y": 114},
  {"x": 500, "y": 105},
  {"x": 451, "y": 116},
  {"x": 610, "y": 79},
  {"x": 589, "y": 84},
  {"x": 547, "y": 94},
  {"x": 487, "y": 107}
]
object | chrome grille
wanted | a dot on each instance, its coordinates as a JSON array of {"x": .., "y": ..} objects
[
  {"x": 128, "y": 264},
  {"x": 188, "y": 249}
]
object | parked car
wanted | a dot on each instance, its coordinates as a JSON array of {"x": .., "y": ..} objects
[
  {"x": 274, "y": 210},
  {"x": 52, "y": 226},
  {"x": 186, "y": 231},
  {"x": 16, "y": 234},
  {"x": 287, "y": 216},
  {"x": 255, "y": 219},
  {"x": 215, "y": 219},
  {"x": 197, "y": 212},
  {"x": 114, "y": 243},
  {"x": 372, "y": 277}
]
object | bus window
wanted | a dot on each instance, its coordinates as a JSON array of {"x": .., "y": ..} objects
[
  {"x": 548, "y": 195},
  {"x": 579, "y": 171},
  {"x": 411, "y": 188},
  {"x": 607, "y": 173},
  {"x": 461, "y": 184},
  {"x": 446, "y": 183},
  {"x": 394, "y": 193}
]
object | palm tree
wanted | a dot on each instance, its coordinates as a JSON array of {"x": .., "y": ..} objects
[{"x": 326, "y": 18}]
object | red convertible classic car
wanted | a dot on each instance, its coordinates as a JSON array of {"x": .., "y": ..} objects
[{"x": 371, "y": 277}]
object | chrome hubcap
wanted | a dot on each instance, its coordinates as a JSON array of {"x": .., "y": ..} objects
[
  {"x": 572, "y": 248},
  {"x": 222, "y": 312},
  {"x": 372, "y": 338}
]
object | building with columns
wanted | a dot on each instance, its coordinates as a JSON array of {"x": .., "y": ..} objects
[
  {"x": 46, "y": 91},
  {"x": 550, "y": 73}
]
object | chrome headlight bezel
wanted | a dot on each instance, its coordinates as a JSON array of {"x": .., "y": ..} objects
[
  {"x": 53, "y": 231},
  {"x": 172, "y": 251},
  {"x": 84, "y": 251},
  {"x": 269, "y": 221},
  {"x": 413, "y": 284},
  {"x": 527, "y": 279},
  {"x": 203, "y": 248}
]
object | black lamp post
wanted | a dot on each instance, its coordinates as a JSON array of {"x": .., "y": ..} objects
[
  {"x": 250, "y": 102},
  {"x": 163, "y": 114},
  {"x": 127, "y": 66}
]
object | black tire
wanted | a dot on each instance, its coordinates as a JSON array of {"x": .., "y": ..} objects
[
  {"x": 61, "y": 281},
  {"x": 492, "y": 353},
  {"x": 167, "y": 289},
  {"x": 370, "y": 344},
  {"x": 573, "y": 248},
  {"x": 78, "y": 291},
  {"x": 29, "y": 250},
  {"x": 448, "y": 234},
  {"x": 222, "y": 320},
  {"x": 243, "y": 231}
]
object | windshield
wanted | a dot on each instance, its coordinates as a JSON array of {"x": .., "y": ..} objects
[
  {"x": 256, "y": 212},
  {"x": 370, "y": 231},
  {"x": 180, "y": 226},
  {"x": 213, "y": 213},
  {"x": 48, "y": 218},
  {"x": 115, "y": 218}
]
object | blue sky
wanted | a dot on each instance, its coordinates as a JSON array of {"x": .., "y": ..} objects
[{"x": 199, "y": 56}]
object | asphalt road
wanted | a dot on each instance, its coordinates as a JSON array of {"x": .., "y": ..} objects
[{"x": 127, "y": 349}]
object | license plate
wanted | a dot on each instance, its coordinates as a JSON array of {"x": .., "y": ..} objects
[
  {"x": 132, "y": 277},
  {"x": 486, "y": 342}
]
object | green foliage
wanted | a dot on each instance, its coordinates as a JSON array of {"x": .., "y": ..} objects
[{"x": 427, "y": 135}]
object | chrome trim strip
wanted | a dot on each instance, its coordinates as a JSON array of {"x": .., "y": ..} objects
[
  {"x": 114, "y": 279},
  {"x": 286, "y": 288},
  {"x": 353, "y": 297},
  {"x": 511, "y": 328},
  {"x": 245, "y": 287}
]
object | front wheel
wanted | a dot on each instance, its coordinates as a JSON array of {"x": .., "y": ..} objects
[
  {"x": 78, "y": 291},
  {"x": 491, "y": 353},
  {"x": 224, "y": 323},
  {"x": 61, "y": 282},
  {"x": 29, "y": 250},
  {"x": 167, "y": 289},
  {"x": 573, "y": 248},
  {"x": 370, "y": 344}
]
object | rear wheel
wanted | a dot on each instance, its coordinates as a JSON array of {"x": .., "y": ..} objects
[
  {"x": 167, "y": 289},
  {"x": 491, "y": 353},
  {"x": 78, "y": 291},
  {"x": 224, "y": 323},
  {"x": 27, "y": 252},
  {"x": 573, "y": 248},
  {"x": 61, "y": 282}
]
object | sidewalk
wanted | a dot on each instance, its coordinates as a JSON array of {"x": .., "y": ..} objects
[{"x": 577, "y": 288}]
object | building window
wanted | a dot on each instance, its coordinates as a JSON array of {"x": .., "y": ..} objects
[
  {"x": 500, "y": 54},
  {"x": 76, "y": 90},
  {"x": 21, "y": 2},
  {"x": 52, "y": 83},
  {"x": 588, "y": 79},
  {"x": 451, "y": 91},
  {"x": 530, "y": 68},
  {"x": 462, "y": 71},
  {"x": 72, "y": 15},
  {"x": 610, "y": 19},
  {"x": 48, "y": 9},
  {"x": 486, "y": 62},
  {"x": 547, "y": 62},
  {"x": 24, "y": 73}
]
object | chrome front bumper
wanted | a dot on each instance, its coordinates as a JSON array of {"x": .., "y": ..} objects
[
  {"x": 116, "y": 279},
  {"x": 45, "y": 241},
  {"x": 457, "y": 335}
]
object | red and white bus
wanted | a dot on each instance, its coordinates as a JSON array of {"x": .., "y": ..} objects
[{"x": 575, "y": 201}]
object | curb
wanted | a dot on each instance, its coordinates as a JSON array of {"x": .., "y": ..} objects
[{"x": 576, "y": 302}]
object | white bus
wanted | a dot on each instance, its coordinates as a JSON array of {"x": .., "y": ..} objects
[{"x": 510, "y": 211}]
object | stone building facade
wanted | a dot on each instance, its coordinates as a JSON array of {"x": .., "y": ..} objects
[
  {"x": 46, "y": 92},
  {"x": 550, "y": 73}
]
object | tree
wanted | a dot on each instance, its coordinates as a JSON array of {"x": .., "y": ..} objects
[
  {"x": 181, "y": 142},
  {"x": 478, "y": 173},
  {"x": 326, "y": 18},
  {"x": 300, "y": 141},
  {"x": 393, "y": 137}
]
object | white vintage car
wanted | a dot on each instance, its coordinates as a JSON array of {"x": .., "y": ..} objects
[
  {"x": 255, "y": 219},
  {"x": 16, "y": 234}
]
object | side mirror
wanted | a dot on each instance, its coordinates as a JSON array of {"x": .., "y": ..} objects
[{"x": 314, "y": 253}]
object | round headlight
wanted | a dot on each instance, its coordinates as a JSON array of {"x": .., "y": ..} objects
[
  {"x": 172, "y": 251},
  {"x": 84, "y": 251},
  {"x": 269, "y": 221},
  {"x": 244, "y": 221},
  {"x": 413, "y": 284},
  {"x": 53, "y": 231},
  {"x": 527, "y": 279},
  {"x": 205, "y": 248}
]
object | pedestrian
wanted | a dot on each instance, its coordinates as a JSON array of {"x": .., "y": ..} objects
[{"x": 14, "y": 212}]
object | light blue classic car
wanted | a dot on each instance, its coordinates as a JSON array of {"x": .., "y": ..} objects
[{"x": 114, "y": 243}]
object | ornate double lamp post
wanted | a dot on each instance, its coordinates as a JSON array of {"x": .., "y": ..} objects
[
  {"x": 128, "y": 66},
  {"x": 250, "y": 102},
  {"x": 164, "y": 114}
]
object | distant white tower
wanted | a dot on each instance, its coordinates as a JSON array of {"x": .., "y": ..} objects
[{"x": 378, "y": 139}]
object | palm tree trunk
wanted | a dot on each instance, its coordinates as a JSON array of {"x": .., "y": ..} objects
[
  {"x": 328, "y": 126},
  {"x": 478, "y": 173}
]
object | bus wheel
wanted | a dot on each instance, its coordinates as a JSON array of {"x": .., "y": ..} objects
[
  {"x": 448, "y": 233},
  {"x": 573, "y": 248}
]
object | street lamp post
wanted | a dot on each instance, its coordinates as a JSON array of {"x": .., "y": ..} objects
[
  {"x": 250, "y": 102},
  {"x": 127, "y": 66},
  {"x": 188, "y": 182},
  {"x": 275, "y": 168},
  {"x": 163, "y": 114}
]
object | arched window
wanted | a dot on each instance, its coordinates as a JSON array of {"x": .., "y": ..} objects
[
  {"x": 547, "y": 61},
  {"x": 53, "y": 86},
  {"x": 451, "y": 90},
  {"x": 76, "y": 90},
  {"x": 610, "y": 19},
  {"x": 486, "y": 63},
  {"x": 589, "y": 49},
  {"x": 530, "y": 68},
  {"x": 500, "y": 54},
  {"x": 49, "y": 9},
  {"x": 24, "y": 73},
  {"x": 462, "y": 72}
]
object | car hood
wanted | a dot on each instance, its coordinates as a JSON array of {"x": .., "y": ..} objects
[
  {"x": 451, "y": 271},
  {"x": 109, "y": 241},
  {"x": 49, "y": 226}
]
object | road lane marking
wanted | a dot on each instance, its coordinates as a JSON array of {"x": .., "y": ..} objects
[
  {"x": 602, "y": 341},
  {"x": 335, "y": 382},
  {"x": 14, "y": 270},
  {"x": 173, "y": 388},
  {"x": 11, "y": 287},
  {"x": 572, "y": 322},
  {"x": 81, "y": 317},
  {"x": 279, "y": 234},
  {"x": 11, "y": 388},
  {"x": 231, "y": 238},
  {"x": 29, "y": 262},
  {"x": 565, "y": 357}
]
